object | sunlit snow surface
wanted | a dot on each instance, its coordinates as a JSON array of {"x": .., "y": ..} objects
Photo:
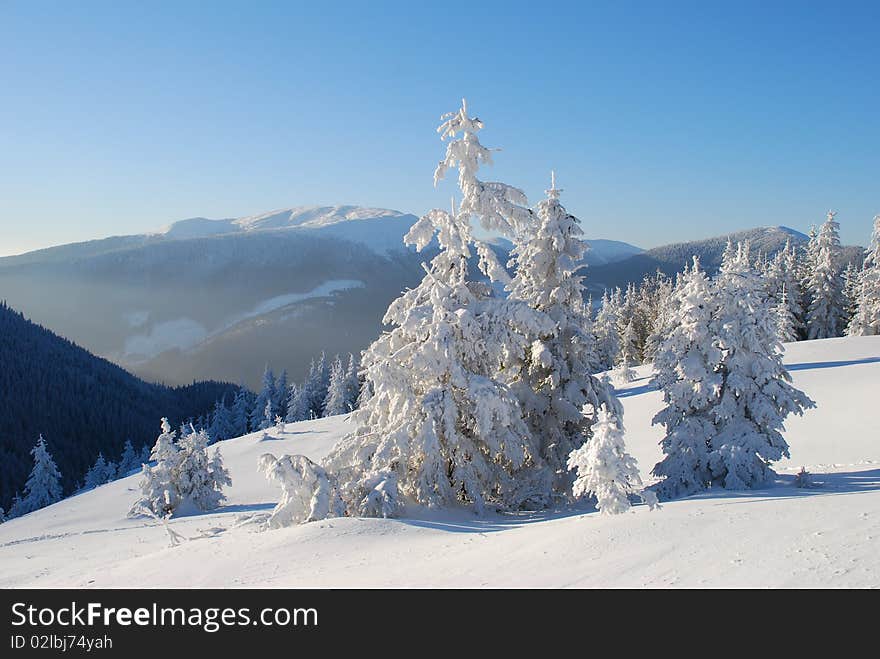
[{"x": 828, "y": 535}]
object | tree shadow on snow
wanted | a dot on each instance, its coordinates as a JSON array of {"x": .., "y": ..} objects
[
  {"x": 808, "y": 366},
  {"x": 844, "y": 482}
]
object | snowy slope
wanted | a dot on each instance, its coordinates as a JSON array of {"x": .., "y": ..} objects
[{"x": 783, "y": 536}]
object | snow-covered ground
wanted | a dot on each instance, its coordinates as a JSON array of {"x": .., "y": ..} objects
[{"x": 828, "y": 535}]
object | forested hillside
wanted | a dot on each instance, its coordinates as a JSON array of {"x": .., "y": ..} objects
[{"x": 80, "y": 403}]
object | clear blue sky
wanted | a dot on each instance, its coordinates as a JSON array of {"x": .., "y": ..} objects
[{"x": 665, "y": 121}]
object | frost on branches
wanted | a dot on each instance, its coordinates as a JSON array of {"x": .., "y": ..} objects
[
  {"x": 440, "y": 429},
  {"x": 605, "y": 470},
  {"x": 558, "y": 393},
  {"x": 307, "y": 493},
  {"x": 183, "y": 475},
  {"x": 826, "y": 315},
  {"x": 43, "y": 486},
  {"x": 756, "y": 391},
  {"x": 866, "y": 320},
  {"x": 686, "y": 372}
]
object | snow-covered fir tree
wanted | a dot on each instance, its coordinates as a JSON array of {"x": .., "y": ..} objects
[
  {"x": 756, "y": 394},
  {"x": 279, "y": 401},
  {"x": 439, "y": 429},
  {"x": 606, "y": 330},
  {"x": 200, "y": 478},
  {"x": 686, "y": 371},
  {"x": 783, "y": 274},
  {"x": 628, "y": 357},
  {"x": 852, "y": 283},
  {"x": 222, "y": 426},
  {"x": 866, "y": 319},
  {"x": 129, "y": 460},
  {"x": 605, "y": 470},
  {"x": 239, "y": 413},
  {"x": 159, "y": 494},
  {"x": 826, "y": 314},
  {"x": 786, "y": 322},
  {"x": 268, "y": 419},
  {"x": 100, "y": 473},
  {"x": 43, "y": 486},
  {"x": 336, "y": 401},
  {"x": 558, "y": 393},
  {"x": 352, "y": 383},
  {"x": 266, "y": 395},
  {"x": 297, "y": 404},
  {"x": 661, "y": 315}
]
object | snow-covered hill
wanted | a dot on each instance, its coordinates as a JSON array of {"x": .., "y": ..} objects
[{"x": 828, "y": 535}]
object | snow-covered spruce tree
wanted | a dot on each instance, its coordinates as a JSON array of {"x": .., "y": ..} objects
[
  {"x": 605, "y": 470},
  {"x": 686, "y": 371},
  {"x": 756, "y": 394},
  {"x": 199, "y": 479},
  {"x": 439, "y": 429},
  {"x": 159, "y": 494},
  {"x": 783, "y": 274},
  {"x": 866, "y": 320},
  {"x": 352, "y": 384},
  {"x": 316, "y": 386},
  {"x": 825, "y": 318},
  {"x": 239, "y": 413},
  {"x": 279, "y": 401},
  {"x": 336, "y": 401},
  {"x": 220, "y": 427},
  {"x": 297, "y": 404},
  {"x": 852, "y": 283},
  {"x": 786, "y": 322},
  {"x": 268, "y": 419},
  {"x": 628, "y": 355},
  {"x": 661, "y": 315},
  {"x": 129, "y": 460},
  {"x": 43, "y": 486},
  {"x": 557, "y": 391},
  {"x": 100, "y": 473},
  {"x": 605, "y": 329},
  {"x": 266, "y": 395}
]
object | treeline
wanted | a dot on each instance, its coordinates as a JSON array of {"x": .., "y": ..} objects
[
  {"x": 814, "y": 292},
  {"x": 331, "y": 387}
]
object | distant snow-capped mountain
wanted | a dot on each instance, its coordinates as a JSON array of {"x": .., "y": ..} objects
[{"x": 218, "y": 298}]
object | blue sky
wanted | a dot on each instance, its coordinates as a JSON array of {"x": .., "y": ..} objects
[{"x": 664, "y": 121}]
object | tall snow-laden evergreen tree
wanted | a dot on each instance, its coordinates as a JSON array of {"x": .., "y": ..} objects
[
  {"x": 628, "y": 355},
  {"x": 756, "y": 394},
  {"x": 222, "y": 426},
  {"x": 159, "y": 494},
  {"x": 825, "y": 318},
  {"x": 266, "y": 395},
  {"x": 439, "y": 429},
  {"x": 352, "y": 384},
  {"x": 786, "y": 322},
  {"x": 605, "y": 470},
  {"x": 686, "y": 371},
  {"x": 129, "y": 461},
  {"x": 783, "y": 274},
  {"x": 279, "y": 401},
  {"x": 660, "y": 317},
  {"x": 558, "y": 393},
  {"x": 268, "y": 419},
  {"x": 297, "y": 404},
  {"x": 866, "y": 320},
  {"x": 43, "y": 486},
  {"x": 199, "y": 479},
  {"x": 336, "y": 401},
  {"x": 239, "y": 413},
  {"x": 605, "y": 329}
]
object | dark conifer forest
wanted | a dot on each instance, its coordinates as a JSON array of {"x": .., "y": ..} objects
[{"x": 80, "y": 403}]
